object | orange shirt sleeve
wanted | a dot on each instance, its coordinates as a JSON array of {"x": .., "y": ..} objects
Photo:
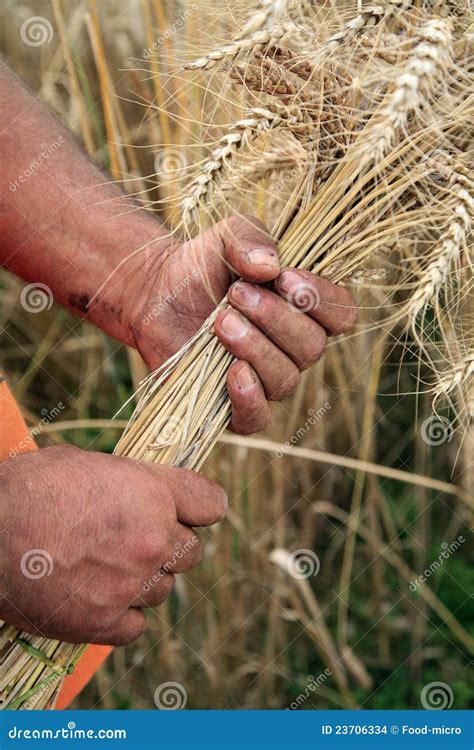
[{"x": 15, "y": 438}]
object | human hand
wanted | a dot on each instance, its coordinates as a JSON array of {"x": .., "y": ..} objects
[
  {"x": 274, "y": 332},
  {"x": 88, "y": 540}
]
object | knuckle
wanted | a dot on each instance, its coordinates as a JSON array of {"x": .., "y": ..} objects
[
  {"x": 285, "y": 386},
  {"x": 245, "y": 224},
  {"x": 164, "y": 589},
  {"x": 129, "y": 632},
  {"x": 314, "y": 349},
  {"x": 264, "y": 420},
  {"x": 347, "y": 310},
  {"x": 146, "y": 548}
]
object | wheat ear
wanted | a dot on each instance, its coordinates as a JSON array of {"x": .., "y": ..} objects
[
  {"x": 239, "y": 47},
  {"x": 257, "y": 121},
  {"x": 414, "y": 86},
  {"x": 369, "y": 17},
  {"x": 447, "y": 253},
  {"x": 271, "y": 11}
]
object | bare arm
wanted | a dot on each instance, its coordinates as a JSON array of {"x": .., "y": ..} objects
[{"x": 62, "y": 222}]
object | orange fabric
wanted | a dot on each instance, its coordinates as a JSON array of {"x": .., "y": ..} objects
[
  {"x": 14, "y": 435},
  {"x": 15, "y": 438},
  {"x": 86, "y": 667}
]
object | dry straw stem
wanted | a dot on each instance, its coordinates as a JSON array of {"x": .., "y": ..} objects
[
  {"x": 310, "y": 242},
  {"x": 385, "y": 551}
]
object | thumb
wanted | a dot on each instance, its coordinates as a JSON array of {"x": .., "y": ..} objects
[
  {"x": 248, "y": 248},
  {"x": 199, "y": 501}
]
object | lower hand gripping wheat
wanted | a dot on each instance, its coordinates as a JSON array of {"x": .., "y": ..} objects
[{"x": 370, "y": 120}]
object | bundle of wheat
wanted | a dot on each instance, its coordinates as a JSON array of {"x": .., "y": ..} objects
[{"x": 368, "y": 124}]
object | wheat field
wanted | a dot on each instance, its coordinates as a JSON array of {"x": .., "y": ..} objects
[{"x": 309, "y": 594}]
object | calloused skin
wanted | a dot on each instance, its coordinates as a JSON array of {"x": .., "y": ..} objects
[
  {"x": 271, "y": 338},
  {"x": 68, "y": 227},
  {"x": 79, "y": 567}
]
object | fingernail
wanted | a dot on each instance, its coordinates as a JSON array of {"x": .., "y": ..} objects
[
  {"x": 259, "y": 256},
  {"x": 288, "y": 279},
  {"x": 245, "y": 378},
  {"x": 234, "y": 325},
  {"x": 245, "y": 294}
]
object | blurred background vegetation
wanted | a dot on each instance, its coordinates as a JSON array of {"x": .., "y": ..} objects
[{"x": 240, "y": 632}]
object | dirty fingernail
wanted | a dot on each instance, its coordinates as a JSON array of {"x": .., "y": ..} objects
[
  {"x": 263, "y": 257},
  {"x": 234, "y": 325},
  {"x": 245, "y": 294},
  {"x": 245, "y": 378},
  {"x": 288, "y": 279}
]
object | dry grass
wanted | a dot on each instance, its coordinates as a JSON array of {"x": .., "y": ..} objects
[{"x": 384, "y": 196}]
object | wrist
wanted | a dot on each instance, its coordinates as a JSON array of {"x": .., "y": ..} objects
[{"x": 117, "y": 265}]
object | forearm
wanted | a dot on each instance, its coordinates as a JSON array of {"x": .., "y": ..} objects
[{"x": 62, "y": 223}]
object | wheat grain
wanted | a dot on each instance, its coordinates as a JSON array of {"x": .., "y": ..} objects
[
  {"x": 370, "y": 17},
  {"x": 458, "y": 375},
  {"x": 414, "y": 86},
  {"x": 269, "y": 14},
  {"x": 447, "y": 253},
  {"x": 239, "y": 47},
  {"x": 257, "y": 121}
]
